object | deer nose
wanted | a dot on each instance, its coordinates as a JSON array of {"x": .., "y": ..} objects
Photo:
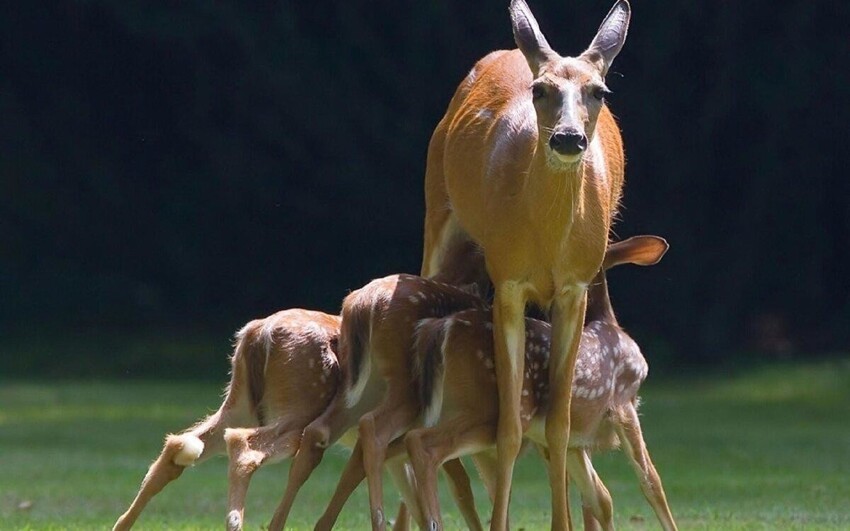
[{"x": 568, "y": 142}]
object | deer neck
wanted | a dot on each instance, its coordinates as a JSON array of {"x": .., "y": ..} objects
[
  {"x": 554, "y": 193},
  {"x": 598, "y": 301}
]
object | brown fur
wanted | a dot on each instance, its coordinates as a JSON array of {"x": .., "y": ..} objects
[
  {"x": 609, "y": 371},
  {"x": 540, "y": 215},
  {"x": 284, "y": 372},
  {"x": 376, "y": 342}
]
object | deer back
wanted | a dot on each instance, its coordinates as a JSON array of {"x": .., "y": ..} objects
[
  {"x": 455, "y": 372},
  {"x": 287, "y": 360},
  {"x": 379, "y": 321}
]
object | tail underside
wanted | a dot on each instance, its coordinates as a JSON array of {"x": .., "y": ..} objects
[
  {"x": 429, "y": 366},
  {"x": 353, "y": 342},
  {"x": 254, "y": 343}
]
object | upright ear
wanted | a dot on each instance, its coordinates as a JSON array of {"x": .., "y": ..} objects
[
  {"x": 610, "y": 37},
  {"x": 528, "y": 37},
  {"x": 638, "y": 250}
]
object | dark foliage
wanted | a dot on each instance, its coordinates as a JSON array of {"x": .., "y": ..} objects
[{"x": 209, "y": 162}]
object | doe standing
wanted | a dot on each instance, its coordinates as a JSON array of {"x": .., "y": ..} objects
[{"x": 527, "y": 164}]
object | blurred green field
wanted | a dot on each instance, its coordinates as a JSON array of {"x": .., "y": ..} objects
[{"x": 766, "y": 448}]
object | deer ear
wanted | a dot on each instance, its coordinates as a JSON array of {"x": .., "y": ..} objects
[
  {"x": 528, "y": 36},
  {"x": 638, "y": 250},
  {"x": 610, "y": 37}
]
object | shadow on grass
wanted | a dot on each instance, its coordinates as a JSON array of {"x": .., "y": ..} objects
[{"x": 762, "y": 448}]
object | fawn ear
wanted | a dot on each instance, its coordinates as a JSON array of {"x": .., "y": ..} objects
[
  {"x": 610, "y": 38},
  {"x": 529, "y": 39},
  {"x": 638, "y": 250}
]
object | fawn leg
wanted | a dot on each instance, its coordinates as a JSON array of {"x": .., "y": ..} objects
[
  {"x": 180, "y": 451},
  {"x": 596, "y": 501},
  {"x": 248, "y": 449},
  {"x": 650, "y": 482},
  {"x": 428, "y": 448}
]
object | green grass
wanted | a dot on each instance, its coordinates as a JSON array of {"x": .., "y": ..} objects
[{"x": 765, "y": 449}]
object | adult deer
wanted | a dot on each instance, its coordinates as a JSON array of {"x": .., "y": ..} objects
[
  {"x": 455, "y": 374},
  {"x": 284, "y": 373},
  {"x": 527, "y": 164}
]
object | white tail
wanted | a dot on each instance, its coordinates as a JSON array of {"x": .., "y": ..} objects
[
  {"x": 284, "y": 372},
  {"x": 610, "y": 368},
  {"x": 528, "y": 163}
]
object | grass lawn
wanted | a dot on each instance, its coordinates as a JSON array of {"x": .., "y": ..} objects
[{"x": 768, "y": 448}]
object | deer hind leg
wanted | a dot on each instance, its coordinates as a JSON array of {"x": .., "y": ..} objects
[
  {"x": 378, "y": 429},
  {"x": 317, "y": 437},
  {"x": 628, "y": 428},
  {"x": 597, "y": 507},
  {"x": 567, "y": 321},
  {"x": 402, "y": 518},
  {"x": 249, "y": 449},
  {"x": 428, "y": 448},
  {"x": 183, "y": 450},
  {"x": 351, "y": 476}
]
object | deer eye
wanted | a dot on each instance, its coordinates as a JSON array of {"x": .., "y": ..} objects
[
  {"x": 598, "y": 92},
  {"x": 537, "y": 91}
]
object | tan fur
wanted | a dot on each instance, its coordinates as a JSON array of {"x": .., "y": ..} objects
[
  {"x": 610, "y": 369},
  {"x": 542, "y": 221},
  {"x": 378, "y": 327},
  {"x": 284, "y": 372}
]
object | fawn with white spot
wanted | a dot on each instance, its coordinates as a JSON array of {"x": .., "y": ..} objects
[
  {"x": 284, "y": 373},
  {"x": 527, "y": 163},
  {"x": 455, "y": 368},
  {"x": 379, "y": 398}
]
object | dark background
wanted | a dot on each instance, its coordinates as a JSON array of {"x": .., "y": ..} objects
[{"x": 175, "y": 168}]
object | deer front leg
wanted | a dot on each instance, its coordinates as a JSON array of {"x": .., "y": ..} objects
[
  {"x": 487, "y": 466},
  {"x": 567, "y": 321},
  {"x": 462, "y": 493},
  {"x": 351, "y": 476},
  {"x": 509, "y": 343},
  {"x": 485, "y": 462},
  {"x": 628, "y": 428},
  {"x": 402, "y": 476},
  {"x": 404, "y": 479},
  {"x": 318, "y": 435},
  {"x": 402, "y": 519},
  {"x": 595, "y": 498}
]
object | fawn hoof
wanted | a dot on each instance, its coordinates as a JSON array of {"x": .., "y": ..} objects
[
  {"x": 432, "y": 525},
  {"x": 234, "y": 521}
]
